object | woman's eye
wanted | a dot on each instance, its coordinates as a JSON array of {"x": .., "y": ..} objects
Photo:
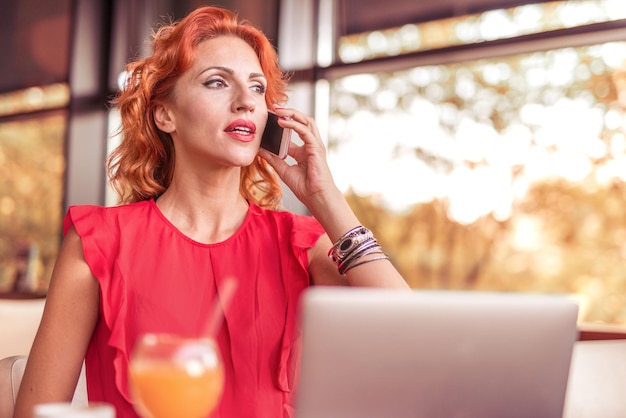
[
  {"x": 259, "y": 88},
  {"x": 214, "y": 83}
]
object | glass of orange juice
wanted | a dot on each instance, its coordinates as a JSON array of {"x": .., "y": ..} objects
[{"x": 174, "y": 376}]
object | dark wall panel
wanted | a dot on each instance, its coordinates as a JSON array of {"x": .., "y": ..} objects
[
  {"x": 356, "y": 16},
  {"x": 35, "y": 43}
]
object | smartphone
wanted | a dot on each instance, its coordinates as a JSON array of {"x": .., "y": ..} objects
[{"x": 275, "y": 138}]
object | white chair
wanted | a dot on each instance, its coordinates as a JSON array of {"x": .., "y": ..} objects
[
  {"x": 11, "y": 372},
  {"x": 19, "y": 320},
  {"x": 595, "y": 388}
]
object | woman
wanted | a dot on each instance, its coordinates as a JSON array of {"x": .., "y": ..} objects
[{"x": 200, "y": 203}]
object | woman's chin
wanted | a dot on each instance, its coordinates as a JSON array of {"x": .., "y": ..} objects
[{"x": 244, "y": 160}]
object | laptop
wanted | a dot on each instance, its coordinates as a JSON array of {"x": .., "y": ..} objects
[{"x": 380, "y": 353}]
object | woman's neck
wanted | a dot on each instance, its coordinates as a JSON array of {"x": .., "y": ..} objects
[{"x": 207, "y": 212}]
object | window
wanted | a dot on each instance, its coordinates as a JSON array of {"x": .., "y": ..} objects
[
  {"x": 477, "y": 28},
  {"x": 32, "y": 171},
  {"x": 490, "y": 156},
  {"x": 34, "y": 108}
]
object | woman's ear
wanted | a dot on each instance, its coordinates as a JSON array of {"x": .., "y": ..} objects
[{"x": 163, "y": 119}]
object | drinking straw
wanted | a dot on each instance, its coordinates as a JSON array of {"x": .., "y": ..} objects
[{"x": 221, "y": 302}]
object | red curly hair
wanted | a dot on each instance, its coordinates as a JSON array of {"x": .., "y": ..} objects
[{"x": 141, "y": 167}]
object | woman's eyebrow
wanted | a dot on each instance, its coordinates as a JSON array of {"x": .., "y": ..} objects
[
  {"x": 257, "y": 75},
  {"x": 219, "y": 68},
  {"x": 230, "y": 71}
]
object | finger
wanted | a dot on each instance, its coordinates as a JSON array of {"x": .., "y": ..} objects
[
  {"x": 268, "y": 156},
  {"x": 302, "y": 124},
  {"x": 293, "y": 149},
  {"x": 278, "y": 164},
  {"x": 288, "y": 114}
]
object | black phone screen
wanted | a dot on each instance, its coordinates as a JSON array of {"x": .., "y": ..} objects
[{"x": 272, "y": 135}]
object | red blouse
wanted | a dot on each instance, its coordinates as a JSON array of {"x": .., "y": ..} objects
[{"x": 153, "y": 278}]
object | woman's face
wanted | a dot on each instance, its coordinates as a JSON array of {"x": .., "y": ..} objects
[{"x": 217, "y": 111}]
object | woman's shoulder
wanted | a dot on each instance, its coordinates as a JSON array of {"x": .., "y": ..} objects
[
  {"x": 99, "y": 215},
  {"x": 301, "y": 226},
  {"x": 122, "y": 209},
  {"x": 281, "y": 215}
]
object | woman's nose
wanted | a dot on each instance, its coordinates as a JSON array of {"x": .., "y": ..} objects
[{"x": 244, "y": 100}]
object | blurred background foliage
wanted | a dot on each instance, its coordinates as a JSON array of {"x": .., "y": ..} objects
[
  {"x": 583, "y": 253},
  {"x": 504, "y": 174},
  {"x": 32, "y": 169}
]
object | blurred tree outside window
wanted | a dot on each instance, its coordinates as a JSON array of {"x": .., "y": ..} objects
[
  {"x": 503, "y": 174},
  {"x": 525, "y": 19},
  {"x": 32, "y": 170},
  {"x": 34, "y": 108}
]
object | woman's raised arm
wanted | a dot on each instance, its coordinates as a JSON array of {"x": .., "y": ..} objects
[{"x": 363, "y": 263}]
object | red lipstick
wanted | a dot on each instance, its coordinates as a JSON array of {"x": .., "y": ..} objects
[{"x": 242, "y": 130}]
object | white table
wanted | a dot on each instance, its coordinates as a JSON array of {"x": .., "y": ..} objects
[{"x": 597, "y": 382}]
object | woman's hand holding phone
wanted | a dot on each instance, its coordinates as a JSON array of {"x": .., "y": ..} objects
[{"x": 309, "y": 178}]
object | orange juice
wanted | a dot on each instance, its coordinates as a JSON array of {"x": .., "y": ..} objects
[{"x": 167, "y": 390}]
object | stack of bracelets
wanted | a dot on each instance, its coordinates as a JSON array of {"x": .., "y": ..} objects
[{"x": 353, "y": 246}]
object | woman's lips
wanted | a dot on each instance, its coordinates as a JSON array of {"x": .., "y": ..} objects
[{"x": 241, "y": 130}]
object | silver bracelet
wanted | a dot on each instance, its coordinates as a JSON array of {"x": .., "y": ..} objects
[
  {"x": 369, "y": 260},
  {"x": 349, "y": 242},
  {"x": 363, "y": 250}
]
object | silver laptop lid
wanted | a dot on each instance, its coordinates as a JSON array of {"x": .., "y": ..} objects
[{"x": 375, "y": 353}]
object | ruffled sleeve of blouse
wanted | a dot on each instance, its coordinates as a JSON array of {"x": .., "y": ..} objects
[
  {"x": 304, "y": 235},
  {"x": 99, "y": 231},
  {"x": 306, "y": 231}
]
